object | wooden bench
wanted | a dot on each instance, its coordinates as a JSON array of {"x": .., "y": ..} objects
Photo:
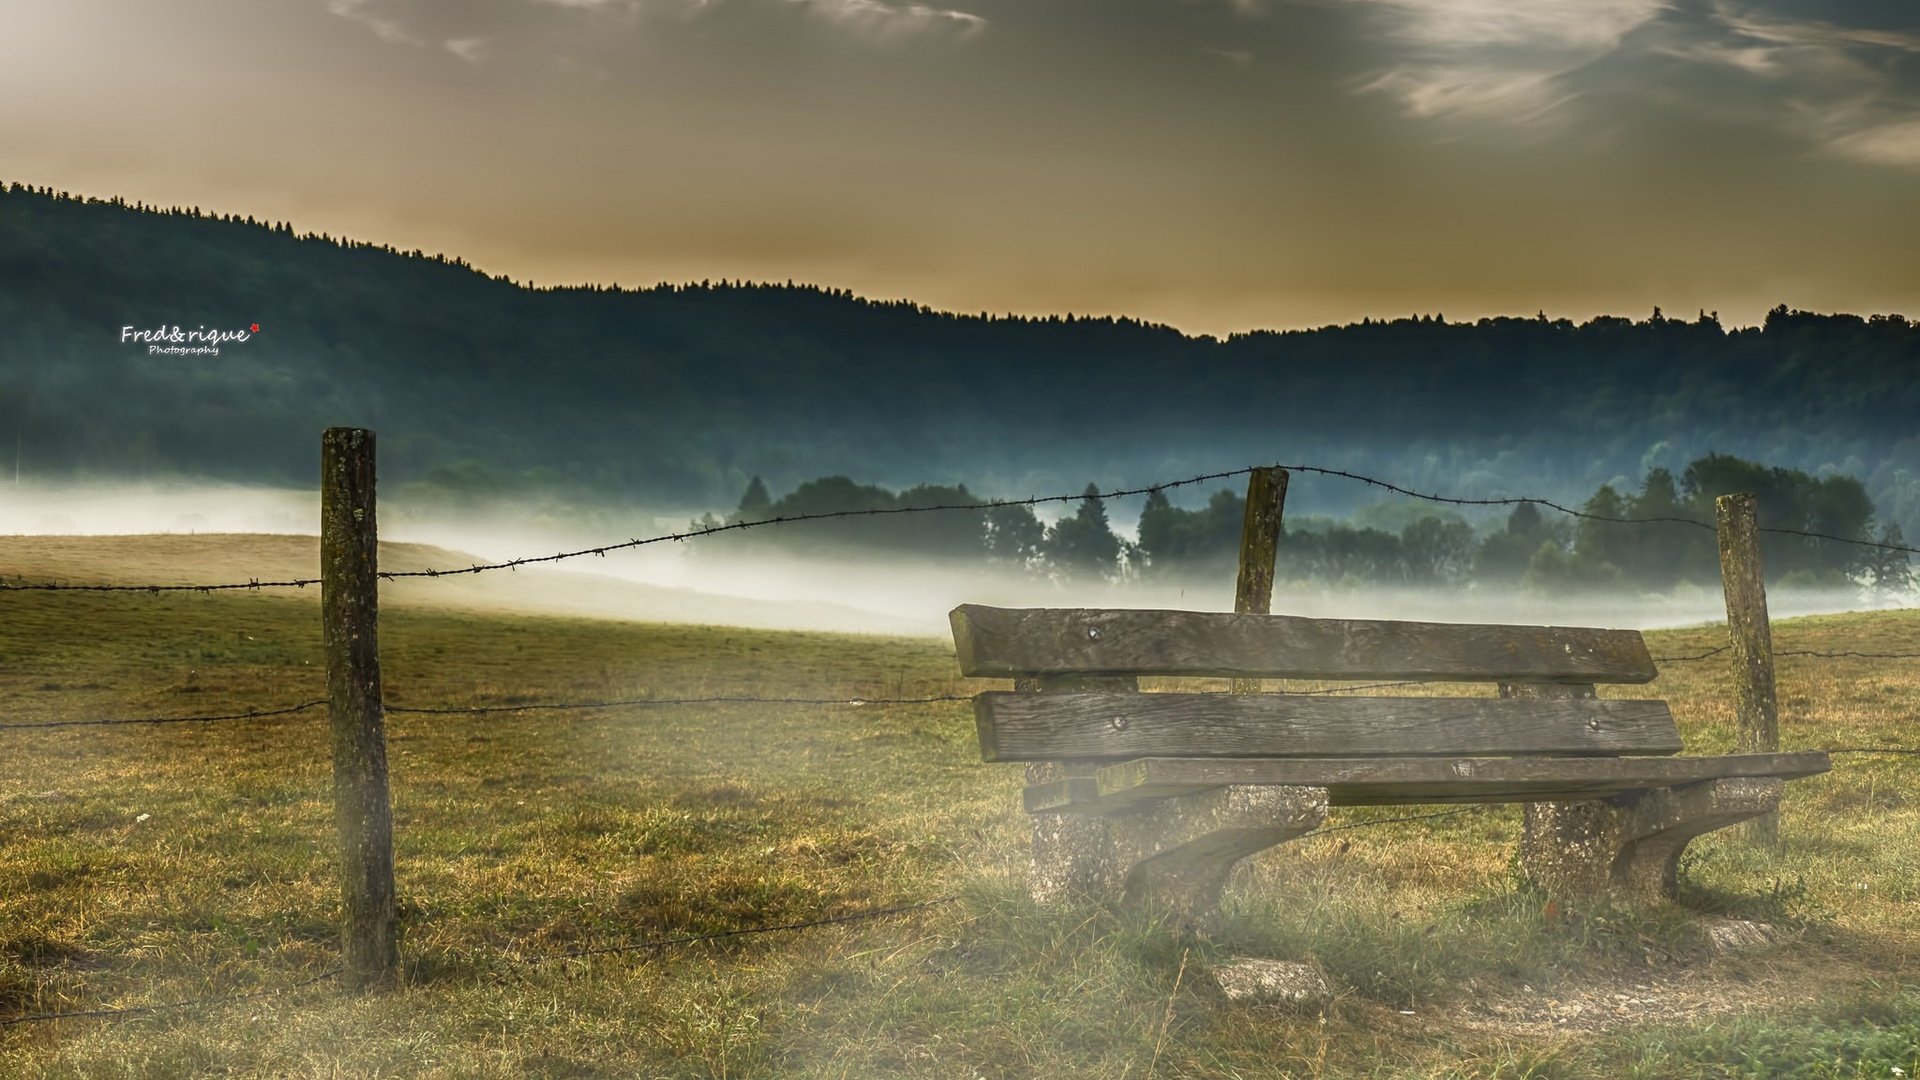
[{"x": 1156, "y": 796}]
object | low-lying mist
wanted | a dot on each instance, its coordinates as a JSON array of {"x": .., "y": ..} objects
[{"x": 716, "y": 580}]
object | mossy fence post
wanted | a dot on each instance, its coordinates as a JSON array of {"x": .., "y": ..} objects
[
  {"x": 1756, "y": 709},
  {"x": 1259, "y": 545},
  {"x": 349, "y": 615}
]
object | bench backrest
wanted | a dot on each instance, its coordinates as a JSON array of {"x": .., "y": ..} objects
[
  {"x": 1089, "y": 657},
  {"x": 1023, "y": 642}
]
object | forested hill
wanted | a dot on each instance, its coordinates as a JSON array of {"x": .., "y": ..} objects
[{"x": 678, "y": 393}]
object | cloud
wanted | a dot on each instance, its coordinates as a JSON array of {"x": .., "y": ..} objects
[
  {"x": 1847, "y": 89},
  {"x": 881, "y": 19},
  {"x": 1519, "y": 95},
  {"x": 463, "y": 27},
  {"x": 1895, "y": 143},
  {"x": 1501, "y": 58},
  {"x": 1576, "y": 26},
  {"x": 1756, "y": 24},
  {"x": 387, "y": 30},
  {"x": 470, "y": 49}
]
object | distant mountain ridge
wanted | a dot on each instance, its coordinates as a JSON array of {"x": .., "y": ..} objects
[{"x": 481, "y": 388}]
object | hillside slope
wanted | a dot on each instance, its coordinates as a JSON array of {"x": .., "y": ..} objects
[{"x": 483, "y": 388}]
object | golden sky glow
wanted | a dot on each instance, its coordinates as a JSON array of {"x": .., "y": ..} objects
[{"x": 1217, "y": 164}]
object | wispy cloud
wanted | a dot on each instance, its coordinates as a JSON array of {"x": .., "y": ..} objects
[
  {"x": 1502, "y": 58},
  {"x": 471, "y": 49},
  {"x": 1581, "y": 26},
  {"x": 1839, "y": 87},
  {"x": 1756, "y": 24},
  {"x": 881, "y": 19},
  {"x": 383, "y": 27},
  {"x": 1895, "y": 143},
  {"x": 1850, "y": 90},
  {"x": 472, "y": 31},
  {"x": 1519, "y": 95}
]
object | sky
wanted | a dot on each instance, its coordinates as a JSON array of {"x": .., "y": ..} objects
[{"x": 1220, "y": 165}]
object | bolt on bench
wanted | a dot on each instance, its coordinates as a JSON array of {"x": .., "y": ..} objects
[{"x": 1156, "y": 796}]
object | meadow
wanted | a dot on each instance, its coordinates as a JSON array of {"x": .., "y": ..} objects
[{"x": 144, "y": 864}]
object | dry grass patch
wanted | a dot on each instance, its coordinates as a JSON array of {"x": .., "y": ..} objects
[{"x": 146, "y": 864}]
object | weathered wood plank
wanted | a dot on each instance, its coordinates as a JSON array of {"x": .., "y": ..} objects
[
  {"x": 1046, "y": 727},
  {"x": 1066, "y": 793},
  {"x": 1385, "y": 780},
  {"x": 1010, "y": 642}
]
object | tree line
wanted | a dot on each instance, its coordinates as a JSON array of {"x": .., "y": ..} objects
[
  {"x": 487, "y": 388},
  {"x": 1630, "y": 539}
]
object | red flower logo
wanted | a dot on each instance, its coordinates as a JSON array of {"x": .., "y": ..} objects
[{"x": 254, "y": 329}]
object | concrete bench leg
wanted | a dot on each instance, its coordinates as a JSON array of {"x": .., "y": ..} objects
[
  {"x": 1073, "y": 854},
  {"x": 1180, "y": 853},
  {"x": 1629, "y": 846},
  {"x": 1173, "y": 856}
]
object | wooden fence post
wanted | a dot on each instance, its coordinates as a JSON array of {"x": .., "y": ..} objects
[
  {"x": 1757, "y": 710},
  {"x": 349, "y": 614},
  {"x": 1259, "y": 544}
]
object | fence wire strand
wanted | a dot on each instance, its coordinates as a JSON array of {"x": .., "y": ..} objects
[
  {"x": 298, "y": 583},
  {"x": 740, "y": 699},
  {"x": 1034, "y": 500},
  {"x": 459, "y": 710},
  {"x": 1822, "y": 654},
  {"x": 250, "y": 714},
  {"x": 473, "y": 710},
  {"x": 1582, "y": 514}
]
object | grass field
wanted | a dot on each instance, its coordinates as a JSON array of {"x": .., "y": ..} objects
[{"x": 150, "y": 864}]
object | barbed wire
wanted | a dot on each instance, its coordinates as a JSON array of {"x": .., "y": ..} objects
[
  {"x": 1582, "y": 514},
  {"x": 250, "y": 714},
  {"x": 742, "y": 699},
  {"x": 139, "y": 1010},
  {"x": 785, "y": 519},
  {"x": 991, "y": 504},
  {"x": 1695, "y": 656},
  {"x": 1847, "y": 654},
  {"x": 299, "y": 583},
  {"x": 469, "y": 710},
  {"x": 1828, "y": 655},
  {"x": 715, "y": 700},
  {"x": 690, "y": 534}
]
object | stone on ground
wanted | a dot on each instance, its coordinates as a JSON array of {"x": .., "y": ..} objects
[
  {"x": 1258, "y": 981},
  {"x": 1738, "y": 935}
]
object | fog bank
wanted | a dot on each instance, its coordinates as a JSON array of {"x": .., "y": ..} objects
[{"x": 715, "y": 580}]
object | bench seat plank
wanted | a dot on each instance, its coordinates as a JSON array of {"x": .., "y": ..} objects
[
  {"x": 1014, "y": 642},
  {"x": 1066, "y": 726},
  {"x": 1402, "y": 780}
]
